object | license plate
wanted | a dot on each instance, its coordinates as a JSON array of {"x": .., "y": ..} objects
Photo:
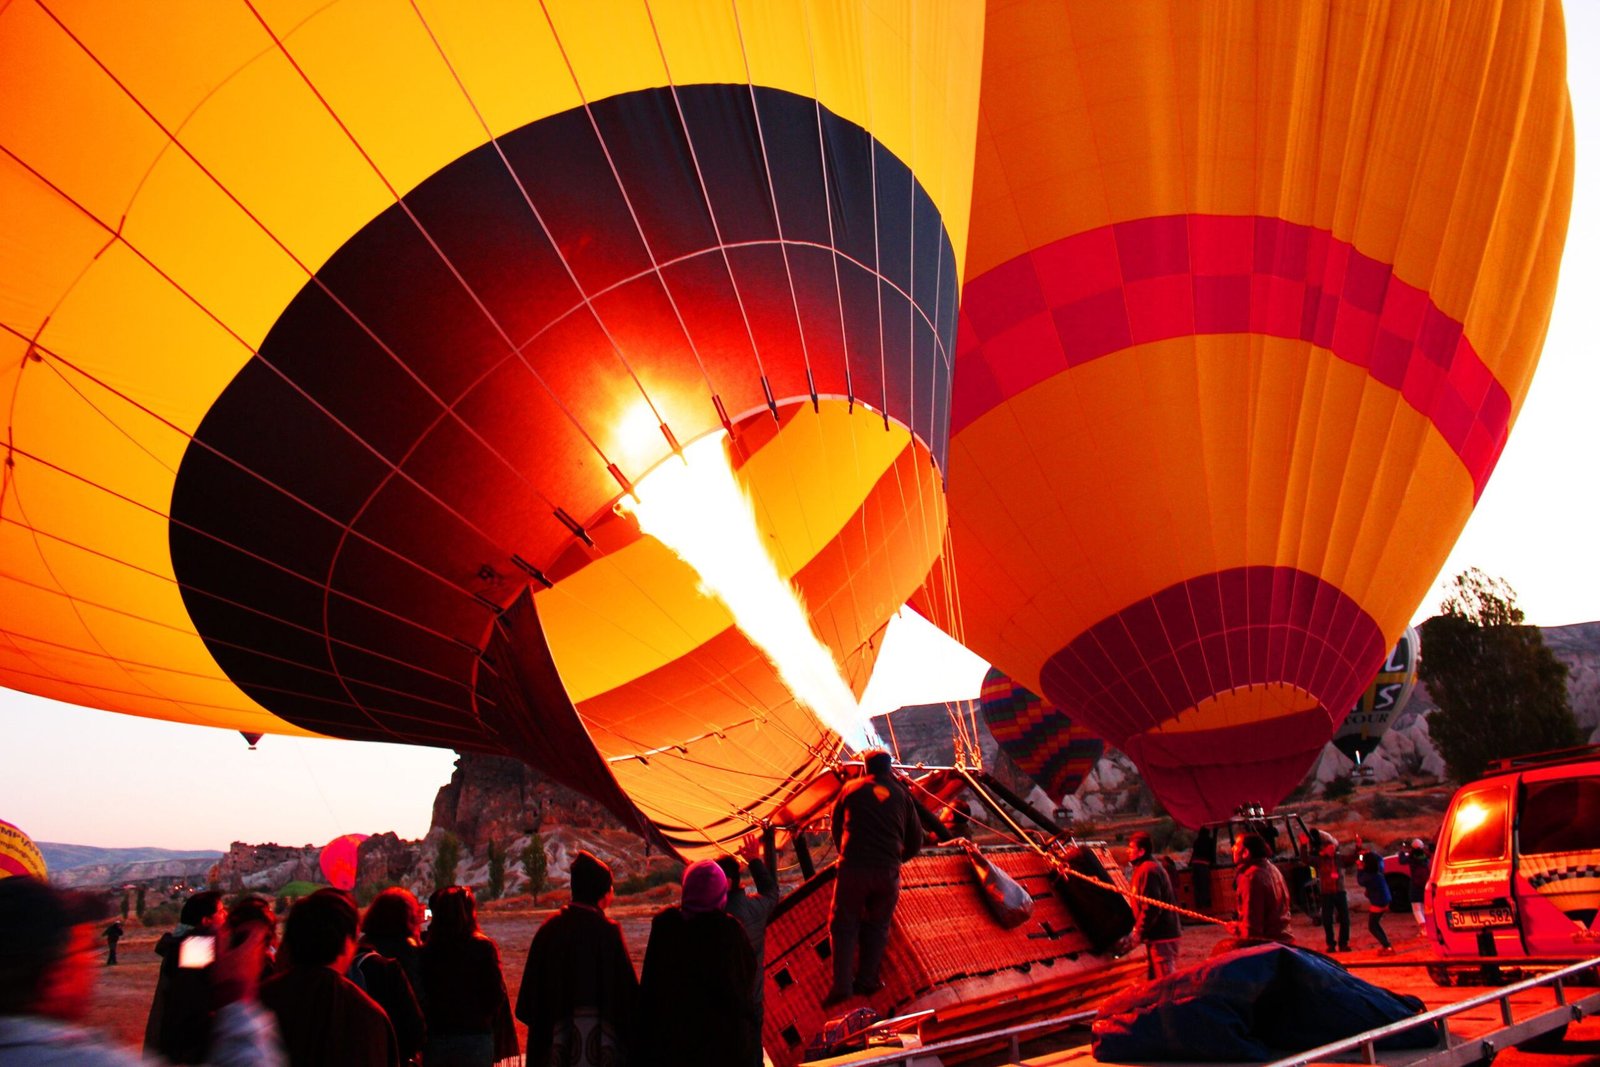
[{"x": 1478, "y": 918}]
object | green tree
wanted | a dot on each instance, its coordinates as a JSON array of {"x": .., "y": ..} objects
[
  {"x": 127, "y": 903},
  {"x": 497, "y": 870},
  {"x": 534, "y": 865},
  {"x": 138, "y": 903},
  {"x": 1500, "y": 691},
  {"x": 445, "y": 861}
]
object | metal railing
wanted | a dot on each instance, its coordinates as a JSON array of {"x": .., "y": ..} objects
[
  {"x": 1011, "y": 1035},
  {"x": 1472, "y": 1049}
]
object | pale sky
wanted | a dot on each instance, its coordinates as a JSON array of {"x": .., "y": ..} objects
[{"x": 95, "y": 778}]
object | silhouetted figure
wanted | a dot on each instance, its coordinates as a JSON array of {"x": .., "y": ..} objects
[
  {"x": 251, "y": 913},
  {"x": 464, "y": 994},
  {"x": 876, "y": 829},
  {"x": 1202, "y": 860},
  {"x": 696, "y": 994},
  {"x": 388, "y": 965},
  {"x": 579, "y": 997},
  {"x": 752, "y": 913},
  {"x": 112, "y": 934},
  {"x": 179, "y": 1025},
  {"x": 326, "y": 1020}
]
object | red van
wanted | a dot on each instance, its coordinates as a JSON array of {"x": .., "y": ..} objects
[{"x": 1517, "y": 871}]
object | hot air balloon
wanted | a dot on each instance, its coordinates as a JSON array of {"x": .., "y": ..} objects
[
  {"x": 338, "y": 860},
  {"x": 251, "y": 738},
  {"x": 18, "y": 854},
  {"x": 1253, "y": 295},
  {"x": 332, "y": 340},
  {"x": 1381, "y": 701},
  {"x": 1048, "y": 747}
]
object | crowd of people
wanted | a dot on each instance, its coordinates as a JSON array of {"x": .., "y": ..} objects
[
  {"x": 1263, "y": 901},
  {"x": 347, "y": 989}
]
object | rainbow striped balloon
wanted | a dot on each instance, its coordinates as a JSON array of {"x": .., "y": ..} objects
[{"x": 1038, "y": 736}]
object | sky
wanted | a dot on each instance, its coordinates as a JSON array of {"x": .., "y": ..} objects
[{"x": 95, "y": 778}]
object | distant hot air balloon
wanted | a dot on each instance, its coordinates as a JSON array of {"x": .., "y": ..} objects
[
  {"x": 250, "y": 738},
  {"x": 1381, "y": 701},
  {"x": 1038, "y": 736},
  {"x": 331, "y": 340},
  {"x": 338, "y": 861},
  {"x": 1253, "y": 295},
  {"x": 18, "y": 854}
]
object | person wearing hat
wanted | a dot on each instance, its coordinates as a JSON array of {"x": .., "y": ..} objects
[
  {"x": 48, "y": 968},
  {"x": 696, "y": 991},
  {"x": 578, "y": 981},
  {"x": 875, "y": 828},
  {"x": 1157, "y": 927}
]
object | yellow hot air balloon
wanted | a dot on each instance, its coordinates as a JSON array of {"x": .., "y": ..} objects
[
  {"x": 331, "y": 336},
  {"x": 18, "y": 854},
  {"x": 1253, "y": 296}
]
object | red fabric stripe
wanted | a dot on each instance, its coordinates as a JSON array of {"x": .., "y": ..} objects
[{"x": 1100, "y": 292}]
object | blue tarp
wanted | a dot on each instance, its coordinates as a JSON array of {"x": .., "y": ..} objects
[{"x": 1255, "y": 1003}]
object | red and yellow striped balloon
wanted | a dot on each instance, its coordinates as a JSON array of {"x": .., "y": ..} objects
[{"x": 1253, "y": 296}]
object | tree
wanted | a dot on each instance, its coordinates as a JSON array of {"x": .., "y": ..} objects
[
  {"x": 1500, "y": 690},
  {"x": 445, "y": 861},
  {"x": 497, "y": 870},
  {"x": 138, "y": 903},
  {"x": 534, "y": 865}
]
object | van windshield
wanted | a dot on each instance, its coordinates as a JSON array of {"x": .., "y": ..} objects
[
  {"x": 1560, "y": 816},
  {"x": 1478, "y": 828}
]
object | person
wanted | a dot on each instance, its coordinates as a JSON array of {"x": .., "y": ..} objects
[
  {"x": 875, "y": 829},
  {"x": 48, "y": 976},
  {"x": 388, "y": 965},
  {"x": 1417, "y": 862},
  {"x": 1158, "y": 927},
  {"x": 1332, "y": 890},
  {"x": 1201, "y": 861},
  {"x": 1371, "y": 879},
  {"x": 1263, "y": 896},
  {"x": 696, "y": 992},
  {"x": 179, "y": 1024},
  {"x": 579, "y": 996},
  {"x": 752, "y": 912},
  {"x": 256, "y": 912},
  {"x": 326, "y": 1020},
  {"x": 464, "y": 993},
  {"x": 112, "y": 934}
]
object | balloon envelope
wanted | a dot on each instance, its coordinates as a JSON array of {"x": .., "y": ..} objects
[
  {"x": 1251, "y": 304},
  {"x": 1038, "y": 736},
  {"x": 332, "y": 339},
  {"x": 338, "y": 861},
  {"x": 1382, "y": 701},
  {"x": 19, "y": 855}
]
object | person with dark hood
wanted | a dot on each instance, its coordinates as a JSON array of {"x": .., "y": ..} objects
[
  {"x": 179, "y": 1025},
  {"x": 579, "y": 996},
  {"x": 1157, "y": 927},
  {"x": 875, "y": 829},
  {"x": 752, "y": 911},
  {"x": 48, "y": 971},
  {"x": 697, "y": 991},
  {"x": 464, "y": 992},
  {"x": 326, "y": 1020}
]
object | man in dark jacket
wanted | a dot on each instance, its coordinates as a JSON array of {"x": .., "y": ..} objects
[
  {"x": 179, "y": 1025},
  {"x": 752, "y": 913},
  {"x": 578, "y": 980},
  {"x": 325, "y": 1019},
  {"x": 876, "y": 829},
  {"x": 1156, "y": 926}
]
